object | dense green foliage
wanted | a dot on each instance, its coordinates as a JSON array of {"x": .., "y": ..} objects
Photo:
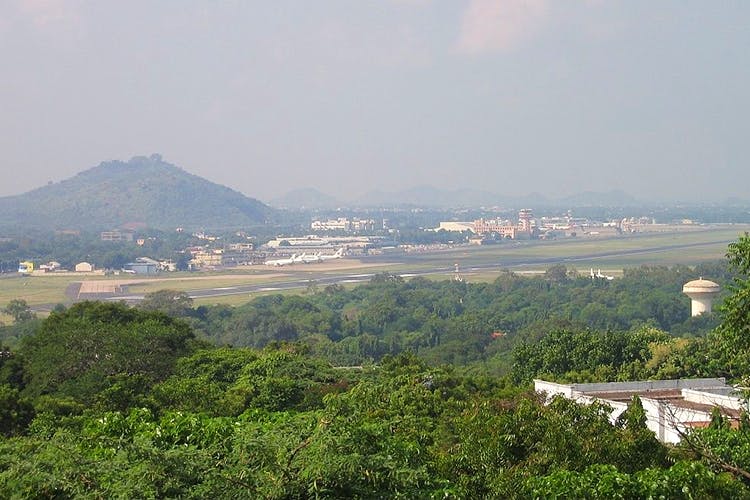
[
  {"x": 455, "y": 322},
  {"x": 96, "y": 350},
  {"x": 590, "y": 355},
  {"x": 279, "y": 424},
  {"x": 731, "y": 341},
  {"x": 102, "y": 400}
]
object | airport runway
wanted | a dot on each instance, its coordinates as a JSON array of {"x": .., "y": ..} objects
[
  {"x": 300, "y": 283},
  {"x": 326, "y": 278}
]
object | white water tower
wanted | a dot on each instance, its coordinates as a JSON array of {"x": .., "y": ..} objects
[{"x": 702, "y": 294}]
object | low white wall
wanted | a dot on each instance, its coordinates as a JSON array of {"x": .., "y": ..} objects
[
  {"x": 552, "y": 388},
  {"x": 652, "y": 385},
  {"x": 708, "y": 398}
]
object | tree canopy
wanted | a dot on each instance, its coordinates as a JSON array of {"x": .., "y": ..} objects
[{"x": 374, "y": 392}]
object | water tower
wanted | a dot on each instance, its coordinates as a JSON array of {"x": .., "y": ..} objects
[{"x": 702, "y": 294}]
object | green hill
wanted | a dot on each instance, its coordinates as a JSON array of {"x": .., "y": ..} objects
[{"x": 144, "y": 191}]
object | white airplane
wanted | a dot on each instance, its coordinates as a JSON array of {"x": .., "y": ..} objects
[
  {"x": 282, "y": 262},
  {"x": 600, "y": 275},
  {"x": 339, "y": 254},
  {"x": 310, "y": 259}
]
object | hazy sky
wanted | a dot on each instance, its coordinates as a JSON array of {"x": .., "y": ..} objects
[{"x": 511, "y": 96}]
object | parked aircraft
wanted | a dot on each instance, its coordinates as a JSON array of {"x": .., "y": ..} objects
[
  {"x": 600, "y": 275},
  {"x": 283, "y": 262},
  {"x": 310, "y": 259},
  {"x": 339, "y": 253}
]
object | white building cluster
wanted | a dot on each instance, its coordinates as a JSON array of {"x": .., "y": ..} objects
[
  {"x": 344, "y": 224},
  {"x": 672, "y": 407}
]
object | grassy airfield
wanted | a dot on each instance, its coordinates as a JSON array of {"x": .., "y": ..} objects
[{"x": 610, "y": 255}]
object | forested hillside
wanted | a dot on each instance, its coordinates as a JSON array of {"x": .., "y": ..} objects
[
  {"x": 144, "y": 191},
  {"x": 103, "y": 400}
]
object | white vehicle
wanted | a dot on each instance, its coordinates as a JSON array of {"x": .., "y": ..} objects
[{"x": 283, "y": 262}]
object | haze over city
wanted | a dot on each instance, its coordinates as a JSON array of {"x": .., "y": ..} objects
[{"x": 508, "y": 96}]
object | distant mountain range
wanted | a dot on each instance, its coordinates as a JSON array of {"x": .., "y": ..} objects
[
  {"x": 308, "y": 198},
  {"x": 428, "y": 196},
  {"x": 149, "y": 192},
  {"x": 431, "y": 197},
  {"x": 142, "y": 192}
]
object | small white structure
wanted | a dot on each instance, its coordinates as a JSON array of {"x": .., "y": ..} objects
[
  {"x": 455, "y": 226},
  {"x": 702, "y": 293},
  {"x": 672, "y": 406},
  {"x": 84, "y": 267},
  {"x": 50, "y": 266}
]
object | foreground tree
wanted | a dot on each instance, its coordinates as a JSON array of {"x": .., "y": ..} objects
[
  {"x": 91, "y": 346},
  {"x": 19, "y": 309},
  {"x": 730, "y": 345},
  {"x": 171, "y": 302}
]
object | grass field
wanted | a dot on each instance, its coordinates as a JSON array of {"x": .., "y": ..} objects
[
  {"x": 241, "y": 298},
  {"x": 530, "y": 256},
  {"x": 34, "y": 290}
]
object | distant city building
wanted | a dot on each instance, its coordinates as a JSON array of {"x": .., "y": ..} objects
[
  {"x": 147, "y": 260},
  {"x": 147, "y": 268},
  {"x": 344, "y": 224},
  {"x": 236, "y": 254},
  {"x": 505, "y": 228},
  {"x": 240, "y": 247},
  {"x": 524, "y": 220},
  {"x": 208, "y": 258}
]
